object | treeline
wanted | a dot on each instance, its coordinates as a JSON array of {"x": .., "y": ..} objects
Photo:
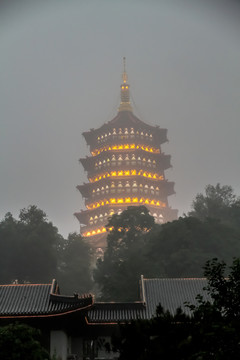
[
  {"x": 211, "y": 332},
  {"x": 32, "y": 250},
  {"x": 137, "y": 246}
]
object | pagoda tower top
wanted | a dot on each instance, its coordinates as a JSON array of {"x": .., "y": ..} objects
[{"x": 125, "y": 104}]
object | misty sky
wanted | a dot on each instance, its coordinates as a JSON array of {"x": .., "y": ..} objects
[{"x": 60, "y": 75}]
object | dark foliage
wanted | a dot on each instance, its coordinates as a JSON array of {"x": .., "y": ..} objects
[
  {"x": 137, "y": 246},
  {"x": 21, "y": 342},
  {"x": 212, "y": 332},
  {"x": 32, "y": 250}
]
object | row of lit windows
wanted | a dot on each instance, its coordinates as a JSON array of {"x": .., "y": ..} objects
[
  {"x": 117, "y": 160},
  {"x": 113, "y": 164},
  {"x": 124, "y": 131},
  {"x": 104, "y": 217},
  {"x": 125, "y": 185},
  {"x": 126, "y": 147},
  {"x": 126, "y": 200},
  {"x": 101, "y": 230},
  {"x": 126, "y": 189},
  {"x": 127, "y": 173},
  {"x": 94, "y": 232}
]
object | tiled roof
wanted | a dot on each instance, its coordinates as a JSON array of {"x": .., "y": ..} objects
[
  {"x": 171, "y": 293},
  {"x": 115, "y": 312},
  {"x": 32, "y": 300}
]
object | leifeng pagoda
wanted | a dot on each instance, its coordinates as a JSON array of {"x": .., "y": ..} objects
[{"x": 126, "y": 168}]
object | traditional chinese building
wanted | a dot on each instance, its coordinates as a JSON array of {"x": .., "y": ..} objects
[
  {"x": 78, "y": 327},
  {"x": 126, "y": 168}
]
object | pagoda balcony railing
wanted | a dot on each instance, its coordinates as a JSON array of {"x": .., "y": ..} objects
[
  {"x": 124, "y": 138},
  {"x": 123, "y": 145},
  {"x": 133, "y": 198},
  {"x": 129, "y": 165},
  {"x": 128, "y": 191}
]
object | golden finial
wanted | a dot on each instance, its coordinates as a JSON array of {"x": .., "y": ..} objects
[{"x": 125, "y": 96}]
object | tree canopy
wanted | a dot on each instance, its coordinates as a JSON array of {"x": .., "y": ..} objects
[
  {"x": 123, "y": 263},
  {"x": 21, "y": 342},
  {"x": 211, "y": 332},
  {"x": 32, "y": 250},
  {"x": 218, "y": 202},
  {"x": 137, "y": 246}
]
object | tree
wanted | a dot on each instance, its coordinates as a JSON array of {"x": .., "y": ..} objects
[
  {"x": 28, "y": 247},
  {"x": 211, "y": 332},
  {"x": 21, "y": 342},
  {"x": 124, "y": 259},
  {"x": 218, "y": 202},
  {"x": 180, "y": 248},
  {"x": 74, "y": 270},
  {"x": 32, "y": 250},
  {"x": 175, "y": 249}
]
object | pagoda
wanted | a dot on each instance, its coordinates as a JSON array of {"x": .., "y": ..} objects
[{"x": 126, "y": 168}]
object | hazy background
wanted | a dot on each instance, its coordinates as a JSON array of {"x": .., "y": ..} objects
[{"x": 60, "y": 75}]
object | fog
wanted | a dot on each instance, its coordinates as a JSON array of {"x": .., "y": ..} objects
[{"x": 60, "y": 75}]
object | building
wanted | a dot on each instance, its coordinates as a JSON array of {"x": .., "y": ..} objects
[
  {"x": 126, "y": 168},
  {"x": 77, "y": 327}
]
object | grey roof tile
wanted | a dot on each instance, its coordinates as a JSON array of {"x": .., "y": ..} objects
[
  {"x": 38, "y": 300},
  {"x": 171, "y": 293}
]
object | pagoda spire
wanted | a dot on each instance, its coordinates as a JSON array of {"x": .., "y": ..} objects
[{"x": 125, "y": 104}]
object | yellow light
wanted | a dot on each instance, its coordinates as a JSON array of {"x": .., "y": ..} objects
[
  {"x": 112, "y": 201},
  {"x": 120, "y": 201},
  {"x": 126, "y": 173},
  {"x": 126, "y": 87},
  {"x": 135, "y": 200},
  {"x": 122, "y": 87},
  {"x": 128, "y": 200},
  {"x": 125, "y": 146}
]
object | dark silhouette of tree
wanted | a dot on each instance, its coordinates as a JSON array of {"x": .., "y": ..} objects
[
  {"x": 211, "y": 332},
  {"x": 218, "y": 202},
  {"x": 75, "y": 266},
  {"x": 32, "y": 250},
  {"x": 123, "y": 263},
  {"x": 21, "y": 342}
]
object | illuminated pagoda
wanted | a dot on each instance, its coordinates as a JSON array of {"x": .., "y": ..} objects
[{"x": 126, "y": 168}]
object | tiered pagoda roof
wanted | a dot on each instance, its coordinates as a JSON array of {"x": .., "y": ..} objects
[{"x": 126, "y": 168}]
